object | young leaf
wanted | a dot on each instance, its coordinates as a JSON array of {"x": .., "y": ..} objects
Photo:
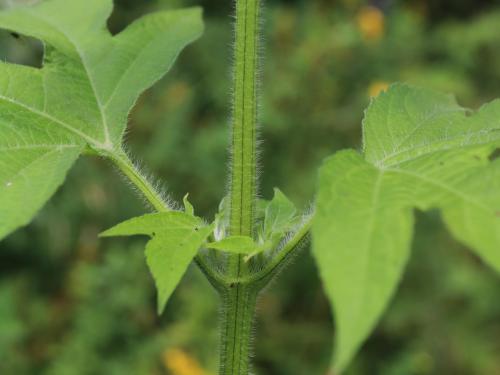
[
  {"x": 175, "y": 239},
  {"x": 221, "y": 222},
  {"x": 274, "y": 219},
  {"x": 279, "y": 214},
  {"x": 81, "y": 96},
  {"x": 188, "y": 207},
  {"x": 421, "y": 150},
  {"x": 237, "y": 245}
]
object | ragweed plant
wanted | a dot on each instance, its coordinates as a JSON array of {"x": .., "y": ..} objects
[{"x": 421, "y": 150}]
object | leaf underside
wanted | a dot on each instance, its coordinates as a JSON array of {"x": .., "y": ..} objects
[
  {"x": 81, "y": 96},
  {"x": 421, "y": 150}
]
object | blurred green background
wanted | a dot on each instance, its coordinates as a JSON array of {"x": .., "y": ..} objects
[{"x": 71, "y": 304}]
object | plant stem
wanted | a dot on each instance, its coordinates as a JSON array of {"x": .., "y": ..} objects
[
  {"x": 140, "y": 182},
  {"x": 238, "y": 287},
  {"x": 239, "y": 300},
  {"x": 238, "y": 308},
  {"x": 281, "y": 259},
  {"x": 243, "y": 150}
]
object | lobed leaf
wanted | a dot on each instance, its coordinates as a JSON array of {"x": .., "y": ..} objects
[
  {"x": 80, "y": 97},
  {"x": 405, "y": 123},
  {"x": 175, "y": 240},
  {"x": 421, "y": 150}
]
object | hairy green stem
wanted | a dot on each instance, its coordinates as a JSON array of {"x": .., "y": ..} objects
[
  {"x": 239, "y": 300},
  {"x": 238, "y": 287},
  {"x": 238, "y": 309},
  {"x": 140, "y": 182},
  {"x": 281, "y": 258},
  {"x": 243, "y": 147}
]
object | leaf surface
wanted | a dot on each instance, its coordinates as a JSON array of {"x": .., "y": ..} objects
[
  {"x": 188, "y": 207},
  {"x": 421, "y": 150},
  {"x": 361, "y": 240},
  {"x": 237, "y": 245},
  {"x": 80, "y": 97},
  {"x": 175, "y": 238},
  {"x": 477, "y": 222},
  {"x": 279, "y": 214}
]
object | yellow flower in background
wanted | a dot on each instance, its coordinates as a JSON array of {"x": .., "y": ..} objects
[
  {"x": 371, "y": 23},
  {"x": 376, "y": 87},
  {"x": 179, "y": 362}
]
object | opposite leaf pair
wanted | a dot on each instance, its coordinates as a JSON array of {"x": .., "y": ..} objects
[
  {"x": 176, "y": 238},
  {"x": 273, "y": 220},
  {"x": 421, "y": 150}
]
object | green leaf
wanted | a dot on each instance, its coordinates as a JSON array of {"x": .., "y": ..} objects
[
  {"x": 260, "y": 208},
  {"x": 31, "y": 170},
  {"x": 237, "y": 245},
  {"x": 279, "y": 214},
  {"x": 188, "y": 207},
  {"x": 476, "y": 222},
  {"x": 82, "y": 95},
  {"x": 405, "y": 123},
  {"x": 221, "y": 222},
  {"x": 361, "y": 240},
  {"x": 175, "y": 240},
  {"x": 34, "y": 155},
  {"x": 421, "y": 150},
  {"x": 442, "y": 159}
]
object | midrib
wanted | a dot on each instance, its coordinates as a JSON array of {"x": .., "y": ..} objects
[{"x": 107, "y": 144}]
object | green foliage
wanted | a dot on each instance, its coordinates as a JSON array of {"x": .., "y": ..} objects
[
  {"x": 361, "y": 238},
  {"x": 236, "y": 244},
  {"x": 188, "y": 207},
  {"x": 273, "y": 220},
  {"x": 175, "y": 240},
  {"x": 315, "y": 64},
  {"x": 280, "y": 217},
  {"x": 82, "y": 95},
  {"x": 420, "y": 150}
]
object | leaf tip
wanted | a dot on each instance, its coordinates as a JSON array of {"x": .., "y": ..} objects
[
  {"x": 107, "y": 233},
  {"x": 188, "y": 207},
  {"x": 160, "y": 307}
]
